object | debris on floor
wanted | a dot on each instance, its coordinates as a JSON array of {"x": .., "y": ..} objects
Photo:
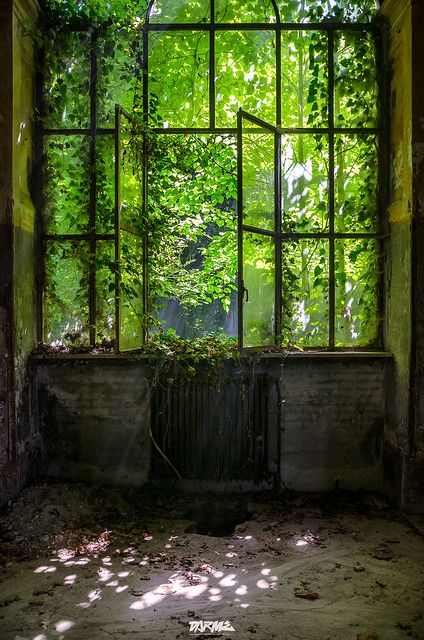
[
  {"x": 306, "y": 594},
  {"x": 95, "y": 563}
]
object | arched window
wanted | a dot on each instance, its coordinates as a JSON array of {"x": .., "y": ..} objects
[{"x": 247, "y": 184}]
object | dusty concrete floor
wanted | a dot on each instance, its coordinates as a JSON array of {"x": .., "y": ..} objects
[{"x": 82, "y": 563}]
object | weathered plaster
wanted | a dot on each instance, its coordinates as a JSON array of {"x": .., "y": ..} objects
[
  {"x": 404, "y": 437},
  {"x": 20, "y": 450},
  {"x": 398, "y": 15},
  {"x": 324, "y": 429},
  {"x": 397, "y": 322},
  {"x": 94, "y": 417},
  {"x": 414, "y": 486}
]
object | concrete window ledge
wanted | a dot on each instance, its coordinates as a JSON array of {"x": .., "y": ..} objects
[{"x": 140, "y": 357}]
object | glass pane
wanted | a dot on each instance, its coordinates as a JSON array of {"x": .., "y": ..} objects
[
  {"x": 67, "y": 85},
  {"x": 305, "y": 311},
  {"x": 66, "y": 294},
  {"x": 193, "y": 239},
  {"x": 253, "y": 11},
  {"x": 319, "y": 10},
  {"x": 67, "y": 184},
  {"x": 119, "y": 74},
  {"x": 105, "y": 183},
  {"x": 304, "y": 183},
  {"x": 178, "y": 79},
  {"x": 259, "y": 280},
  {"x": 304, "y": 91},
  {"x": 131, "y": 309},
  {"x": 184, "y": 11},
  {"x": 258, "y": 180},
  {"x": 245, "y": 75},
  {"x": 245, "y": 11},
  {"x": 356, "y": 269},
  {"x": 131, "y": 177},
  {"x": 356, "y": 183},
  {"x": 355, "y": 90},
  {"x": 105, "y": 293}
]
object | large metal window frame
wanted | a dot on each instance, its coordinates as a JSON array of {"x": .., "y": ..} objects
[{"x": 93, "y": 132}]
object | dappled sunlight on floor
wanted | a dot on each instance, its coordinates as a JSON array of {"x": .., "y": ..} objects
[{"x": 349, "y": 573}]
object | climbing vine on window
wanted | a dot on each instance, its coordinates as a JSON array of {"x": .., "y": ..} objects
[{"x": 169, "y": 259}]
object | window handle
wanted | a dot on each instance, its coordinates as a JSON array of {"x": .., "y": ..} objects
[{"x": 246, "y": 291}]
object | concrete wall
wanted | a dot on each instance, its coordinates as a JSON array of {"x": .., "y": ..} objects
[
  {"x": 95, "y": 421},
  {"x": 94, "y": 418},
  {"x": 6, "y": 212},
  {"x": 20, "y": 443},
  {"x": 403, "y": 451},
  {"x": 398, "y": 329},
  {"x": 414, "y": 468},
  {"x": 333, "y": 422}
]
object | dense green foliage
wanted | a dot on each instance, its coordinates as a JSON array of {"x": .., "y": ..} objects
[{"x": 93, "y": 54}]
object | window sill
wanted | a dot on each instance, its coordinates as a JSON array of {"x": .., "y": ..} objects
[{"x": 284, "y": 355}]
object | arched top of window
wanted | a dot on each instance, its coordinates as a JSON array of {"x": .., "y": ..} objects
[
  {"x": 199, "y": 11},
  {"x": 265, "y": 11}
]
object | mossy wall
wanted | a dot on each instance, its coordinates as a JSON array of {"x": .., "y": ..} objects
[
  {"x": 404, "y": 318},
  {"x": 20, "y": 450}
]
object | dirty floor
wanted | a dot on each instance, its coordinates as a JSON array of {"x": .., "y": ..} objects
[{"x": 84, "y": 563}]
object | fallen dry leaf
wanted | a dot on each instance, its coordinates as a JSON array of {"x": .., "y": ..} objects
[
  {"x": 382, "y": 553},
  {"x": 203, "y": 568},
  {"x": 358, "y": 567},
  {"x": 306, "y": 594}
]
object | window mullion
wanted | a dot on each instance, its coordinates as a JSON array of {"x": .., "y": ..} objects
[
  {"x": 212, "y": 109},
  {"x": 145, "y": 197},
  {"x": 331, "y": 255},
  {"x": 145, "y": 242},
  {"x": 240, "y": 284},
  {"x": 117, "y": 226},
  {"x": 278, "y": 76},
  {"x": 278, "y": 243},
  {"x": 92, "y": 202}
]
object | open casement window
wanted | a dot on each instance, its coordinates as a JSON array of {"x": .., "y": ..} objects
[
  {"x": 289, "y": 275},
  {"x": 259, "y": 232},
  {"x": 302, "y": 266},
  {"x": 131, "y": 241}
]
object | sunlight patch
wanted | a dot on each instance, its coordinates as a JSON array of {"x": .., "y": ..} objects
[
  {"x": 262, "y": 584},
  {"x": 63, "y": 625},
  {"x": 228, "y": 581},
  {"x": 45, "y": 569}
]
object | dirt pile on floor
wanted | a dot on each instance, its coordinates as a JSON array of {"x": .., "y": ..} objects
[{"x": 52, "y": 516}]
